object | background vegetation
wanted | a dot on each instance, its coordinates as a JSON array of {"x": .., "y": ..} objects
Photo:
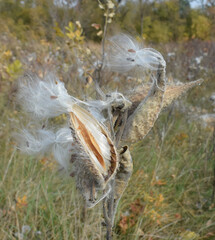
[
  {"x": 155, "y": 21},
  {"x": 169, "y": 195}
]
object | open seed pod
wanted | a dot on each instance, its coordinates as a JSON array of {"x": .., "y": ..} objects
[
  {"x": 101, "y": 161},
  {"x": 146, "y": 106},
  {"x": 173, "y": 92},
  {"x": 140, "y": 122}
]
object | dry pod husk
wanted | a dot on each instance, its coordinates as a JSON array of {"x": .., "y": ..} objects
[
  {"x": 172, "y": 92},
  {"x": 144, "y": 116},
  {"x": 101, "y": 161}
]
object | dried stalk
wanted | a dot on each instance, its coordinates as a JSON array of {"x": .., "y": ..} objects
[
  {"x": 97, "y": 77},
  {"x": 213, "y": 154},
  {"x": 108, "y": 202},
  {"x": 107, "y": 220}
]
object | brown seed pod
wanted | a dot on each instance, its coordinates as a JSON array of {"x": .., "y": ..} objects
[
  {"x": 100, "y": 163},
  {"x": 141, "y": 121},
  {"x": 172, "y": 92}
]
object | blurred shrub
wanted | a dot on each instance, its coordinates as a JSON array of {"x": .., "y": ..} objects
[
  {"x": 156, "y": 21},
  {"x": 14, "y": 69},
  {"x": 200, "y": 26}
]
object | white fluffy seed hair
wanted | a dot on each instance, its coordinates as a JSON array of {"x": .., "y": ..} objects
[
  {"x": 124, "y": 54},
  {"x": 98, "y": 107},
  {"x": 44, "y": 98},
  {"x": 43, "y": 141}
]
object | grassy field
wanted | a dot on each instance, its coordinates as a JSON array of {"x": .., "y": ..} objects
[
  {"x": 168, "y": 197},
  {"x": 169, "y": 194}
]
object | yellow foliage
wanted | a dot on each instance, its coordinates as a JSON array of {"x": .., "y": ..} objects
[
  {"x": 14, "y": 69},
  {"x": 75, "y": 34},
  {"x": 188, "y": 235},
  {"x": 159, "y": 32},
  {"x": 60, "y": 119},
  {"x": 148, "y": 198},
  {"x": 58, "y": 31},
  {"x": 181, "y": 138},
  {"x": 21, "y": 202},
  {"x": 7, "y": 54},
  {"x": 155, "y": 216},
  {"x": 201, "y": 27},
  {"x": 48, "y": 164},
  {"x": 159, "y": 200}
]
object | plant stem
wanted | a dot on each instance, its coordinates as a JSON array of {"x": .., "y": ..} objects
[
  {"x": 107, "y": 220},
  {"x": 213, "y": 154},
  {"x": 104, "y": 38},
  {"x": 97, "y": 73}
]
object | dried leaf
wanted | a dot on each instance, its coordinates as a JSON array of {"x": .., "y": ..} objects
[
  {"x": 110, "y": 4},
  {"x": 137, "y": 207},
  {"x": 159, "y": 183},
  {"x": 178, "y": 216},
  {"x": 99, "y": 33},
  {"x": 96, "y": 26},
  {"x": 21, "y": 202},
  {"x": 123, "y": 224},
  {"x": 78, "y": 24},
  {"x": 111, "y": 14},
  {"x": 101, "y": 6}
]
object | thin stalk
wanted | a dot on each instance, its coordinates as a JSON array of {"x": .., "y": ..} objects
[
  {"x": 104, "y": 38},
  {"x": 108, "y": 202},
  {"x": 97, "y": 73},
  {"x": 107, "y": 220},
  {"x": 213, "y": 150}
]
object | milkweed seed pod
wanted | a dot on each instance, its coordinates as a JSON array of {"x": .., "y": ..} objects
[
  {"x": 141, "y": 121},
  {"x": 124, "y": 54},
  {"x": 102, "y": 161},
  {"x": 151, "y": 106},
  {"x": 96, "y": 156},
  {"x": 173, "y": 92}
]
